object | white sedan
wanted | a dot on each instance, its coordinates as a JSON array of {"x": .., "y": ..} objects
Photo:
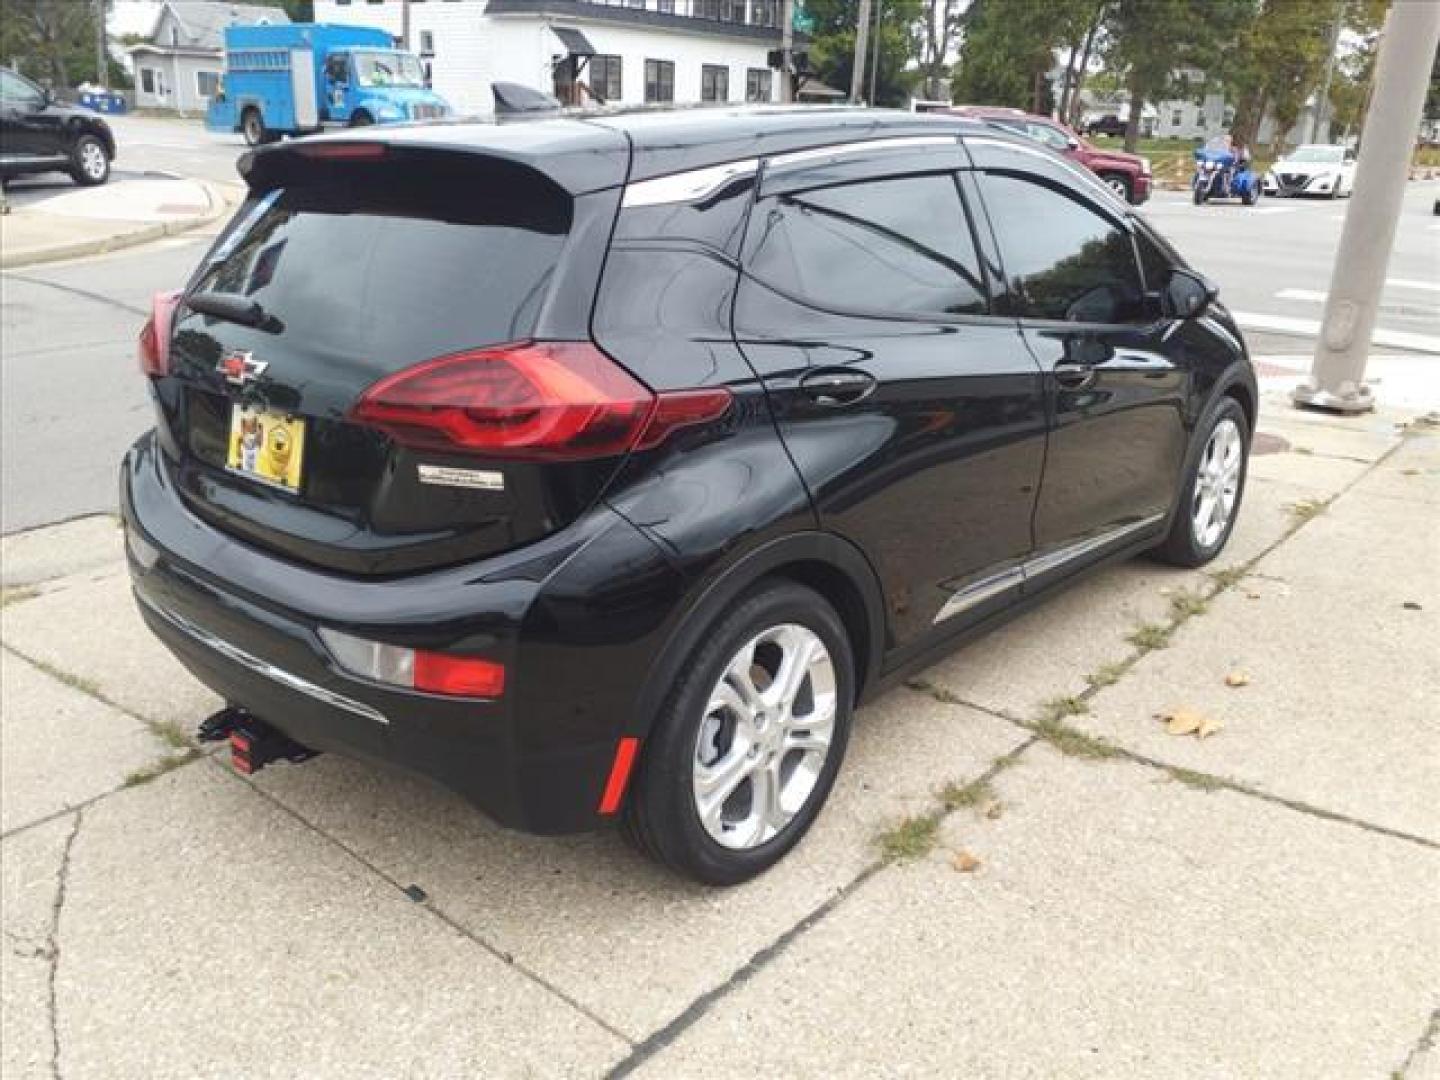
[{"x": 1317, "y": 169}]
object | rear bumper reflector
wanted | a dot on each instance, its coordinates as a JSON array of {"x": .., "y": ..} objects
[{"x": 619, "y": 774}]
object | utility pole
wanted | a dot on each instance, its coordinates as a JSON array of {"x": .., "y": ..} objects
[
  {"x": 787, "y": 50},
  {"x": 102, "y": 61},
  {"x": 405, "y": 25},
  {"x": 857, "y": 70},
  {"x": 1407, "y": 49},
  {"x": 1322, "y": 103},
  {"x": 875, "y": 52}
]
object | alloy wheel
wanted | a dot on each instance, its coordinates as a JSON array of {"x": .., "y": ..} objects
[
  {"x": 765, "y": 737},
  {"x": 1217, "y": 484},
  {"x": 92, "y": 160}
]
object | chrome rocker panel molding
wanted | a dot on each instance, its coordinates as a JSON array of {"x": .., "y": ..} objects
[
  {"x": 990, "y": 587},
  {"x": 262, "y": 667}
]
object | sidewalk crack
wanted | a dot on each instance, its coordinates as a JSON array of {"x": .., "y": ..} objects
[
  {"x": 51, "y": 949},
  {"x": 1426, "y": 1044}
]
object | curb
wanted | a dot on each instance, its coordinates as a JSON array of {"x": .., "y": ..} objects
[{"x": 219, "y": 207}]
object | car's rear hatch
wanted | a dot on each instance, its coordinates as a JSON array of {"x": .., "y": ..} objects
[{"x": 350, "y": 266}]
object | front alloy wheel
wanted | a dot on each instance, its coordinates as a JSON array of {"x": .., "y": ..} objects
[
  {"x": 1214, "y": 485},
  {"x": 744, "y": 751},
  {"x": 91, "y": 163}
]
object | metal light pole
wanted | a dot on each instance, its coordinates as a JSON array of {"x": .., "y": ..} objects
[
  {"x": 102, "y": 65},
  {"x": 1322, "y": 103},
  {"x": 787, "y": 50},
  {"x": 1407, "y": 49},
  {"x": 857, "y": 71},
  {"x": 875, "y": 53}
]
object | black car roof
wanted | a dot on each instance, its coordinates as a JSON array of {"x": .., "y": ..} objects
[{"x": 587, "y": 152}]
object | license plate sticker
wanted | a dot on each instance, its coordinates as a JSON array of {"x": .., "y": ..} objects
[{"x": 267, "y": 446}]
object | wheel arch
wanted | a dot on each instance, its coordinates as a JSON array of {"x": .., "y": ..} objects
[{"x": 832, "y": 566}]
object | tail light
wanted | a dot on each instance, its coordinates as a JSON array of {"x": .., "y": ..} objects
[
  {"x": 416, "y": 669},
  {"x": 538, "y": 401},
  {"x": 153, "y": 349}
]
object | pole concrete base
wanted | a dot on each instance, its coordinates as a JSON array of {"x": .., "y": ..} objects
[{"x": 1349, "y": 398}]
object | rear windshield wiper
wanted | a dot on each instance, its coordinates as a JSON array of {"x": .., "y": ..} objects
[{"x": 235, "y": 309}]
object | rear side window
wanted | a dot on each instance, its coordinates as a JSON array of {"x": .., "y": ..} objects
[
  {"x": 391, "y": 272},
  {"x": 899, "y": 246},
  {"x": 1064, "y": 260}
]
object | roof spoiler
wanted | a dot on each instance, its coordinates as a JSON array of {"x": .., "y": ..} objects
[{"x": 514, "y": 100}]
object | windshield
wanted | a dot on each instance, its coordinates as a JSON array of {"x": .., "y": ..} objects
[
  {"x": 1321, "y": 154},
  {"x": 388, "y": 69}
]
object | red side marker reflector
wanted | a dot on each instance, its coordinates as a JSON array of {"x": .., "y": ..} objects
[
  {"x": 619, "y": 774},
  {"x": 463, "y": 676}
]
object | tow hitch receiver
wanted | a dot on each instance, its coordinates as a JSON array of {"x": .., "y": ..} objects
[{"x": 253, "y": 743}]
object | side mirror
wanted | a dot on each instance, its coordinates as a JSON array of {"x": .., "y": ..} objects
[
  {"x": 1072, "y": 142},
  {"x": 1187, "y": 295}
]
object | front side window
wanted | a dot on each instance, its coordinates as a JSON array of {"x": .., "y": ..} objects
[
  {"x": 17, "y": 91},
  {"x": 659, "y": 80},
  {"x": 1065, "y": 261},
  {"x": 757, "y": 84},
  {"x": 1051, "y": 137},
  {"x": 714, "y": 83},
  {"x": 605, "y": 77},
  {"x": 897, "y": 246},
  {"x": 375, "y": 69}
]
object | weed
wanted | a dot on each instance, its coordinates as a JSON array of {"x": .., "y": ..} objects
[
  {"x": 1105, "y": 675},
  {"x": 911, "y": 838},
  {"x": 172, "y": 734},
  {"x": 17, "y": 594},
  {"x": 939, "y": 693},
  {"x": 1185, "y": 604},
  {"x": 1073, "y": 743},
  {"x": 959, "y": 796},
  {"x": 1148, "y": 636},
  {"x": 1228, "y": 577},
  {"x": 1305, "y": 450},
  {"x": 1305, "y": 509},
  {"x": 158, "y": 769},
  {"x": 1197, "y": 780}
]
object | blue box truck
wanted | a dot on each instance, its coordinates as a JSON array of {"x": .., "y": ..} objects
[{"x": 298, "y": 78}]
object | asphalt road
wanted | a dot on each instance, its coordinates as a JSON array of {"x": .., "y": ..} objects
[{"x": 73, "y": 400}]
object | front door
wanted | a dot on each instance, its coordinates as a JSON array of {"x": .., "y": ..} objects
[
  {"x": 1115, "y": 384},
  {"x": 26, "y": 133},
  {"x": 914, "y": 414}
]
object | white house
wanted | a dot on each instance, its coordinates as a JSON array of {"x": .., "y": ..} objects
[
  {"x": 179, "y": 66},
  {"x": 611, "y": 51}
]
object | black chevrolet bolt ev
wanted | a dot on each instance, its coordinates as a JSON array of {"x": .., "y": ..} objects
[{"x": 597, "y": 468}]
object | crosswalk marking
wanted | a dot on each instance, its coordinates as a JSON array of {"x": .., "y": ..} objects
[{"x": 1282, "y": 324}]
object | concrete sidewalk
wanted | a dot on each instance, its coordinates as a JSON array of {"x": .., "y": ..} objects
[
  {"x": 1020, "y": 873},
  {"x": 51, "y": 219}
]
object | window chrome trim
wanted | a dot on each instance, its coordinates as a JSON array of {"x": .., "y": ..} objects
[
  {"x": 691, "y": 186},
  {"x": 902, "y": 142},
  {"x": 1093, "y": 184},
  {"x": 263, "y": 667},
  {"x": 997, "y": 584}
]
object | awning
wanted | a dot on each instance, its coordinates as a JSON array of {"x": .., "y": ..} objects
[{"x": 576, "y": 43}]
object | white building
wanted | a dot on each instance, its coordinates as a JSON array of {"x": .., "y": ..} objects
[
  {"x": 613, "y": 51},
  {"x": 179, "y": 66}
]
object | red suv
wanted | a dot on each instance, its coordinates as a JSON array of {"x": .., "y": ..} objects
[{"x": 1128, "y": 175}]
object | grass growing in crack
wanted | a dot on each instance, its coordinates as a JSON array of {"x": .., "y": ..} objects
[
  {"x": 939, "y": 693},
  {"x": 1148, "y": 636},
  {"x": 1185, "y": 604},
  {"x": 962, "y": 796},
  {"x": 158, "y": 769},
  {"x": 1105, "y": 675},
  {"x": 75, "y": 682},
  {"x": 1305, "y": 509},
  {"x": 172, "y": 734},
  {"x": 911, "y": 838},
  {"x": 1230, "y": 576},
  {"x": 1061, "y": 707},
  {"x": 1072, "y": 743},
  {"x": 1197, "y": 780},
  {"x": 17, "y": 594},
  {"x": 1303, "y": 450}
]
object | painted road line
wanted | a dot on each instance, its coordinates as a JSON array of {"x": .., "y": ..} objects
[
  {"x": 1280, "y": 324},
  {"x": 1406, "y": 283},
  {"x": 1313, "y": 295}
]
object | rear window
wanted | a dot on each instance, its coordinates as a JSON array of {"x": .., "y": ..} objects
[{"x": 391, "y": 271}]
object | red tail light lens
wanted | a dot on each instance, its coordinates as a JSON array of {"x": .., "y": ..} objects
[
  {"x": 543, "y": 401},
  {"x": 462, "y": 676},
  {"x": 153, "y": 349}
]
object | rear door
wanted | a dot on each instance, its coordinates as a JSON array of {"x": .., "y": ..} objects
[
  {"x": 361, "y": 271},
  {"x": 913, "y": 412},
  {"x": 1116, "y": 380}
]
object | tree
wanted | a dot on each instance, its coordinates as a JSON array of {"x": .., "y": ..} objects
[
  {"x": 53, "y": 40},
  {"x": 942, "y": 23},
  {"x": 832, "y": 45}
]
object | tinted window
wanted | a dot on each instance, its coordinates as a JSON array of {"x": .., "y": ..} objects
[
  {"x": 1153, "y": 261},
  {"x": 392, "y": 273},
  {"x": 1064, "y": 260},
  {"x": 900, "y": 245},
  {"x": 16, "y": 90}
]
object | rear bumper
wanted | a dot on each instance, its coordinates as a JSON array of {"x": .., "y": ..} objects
[
  {"x": 1141, "y": 188},
  {"x": 245, "y": 622}
]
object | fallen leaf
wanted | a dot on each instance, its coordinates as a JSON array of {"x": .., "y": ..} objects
[
  {"x": 1411, "y": 605},
  {"x": 994, "y": 810},
  {"x": 1237, "y": 678},
  {"x": 1251, "y": 595},
  {"x": 965, "y": 862},
  {"x": 1182, "y": 721},
  {"x": 1207, "y": 728}
]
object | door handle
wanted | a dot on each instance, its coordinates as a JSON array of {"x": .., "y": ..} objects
[
  {"x": 834, "y": 387},
  {"x": 1074, "y": 376}
]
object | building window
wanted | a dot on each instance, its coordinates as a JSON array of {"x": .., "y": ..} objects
[
  {"x": 206, "y": 83},
  {"x": 605, "y": 77},
  {"x": 427, "y": 42},
  {"x": 764, "y": 13},
  {"x": 757, "y": 84},
  {"x": 714, "y": 83},
  {"x": 665, "y": 7},
  {"x": 659, "y": 80},
  {"x": 1177, "y": 118},
  {"x": 147, "y": 80}
]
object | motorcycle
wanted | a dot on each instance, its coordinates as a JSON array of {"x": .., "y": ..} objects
[{"x": 1221, "y": 173}]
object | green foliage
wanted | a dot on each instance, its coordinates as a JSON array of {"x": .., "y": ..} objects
[
  {"x": 1009, "y": 49},
  {"x": 832, "y": 45},
  {"x": 52, "y": 41}
]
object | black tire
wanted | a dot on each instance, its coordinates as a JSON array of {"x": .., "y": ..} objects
[
  {"x": 660, "y": 817},
  {"x": 252, "y": 126},
  {"x": 361, "y": 119},
  {"x": 89, "y": 161},
  {"x": 1251, "y": 197},
  {"x": 1199, "y": 195},
  {"x": 1181, "y": 547},
  {"x": 1120, "y": 184}
]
